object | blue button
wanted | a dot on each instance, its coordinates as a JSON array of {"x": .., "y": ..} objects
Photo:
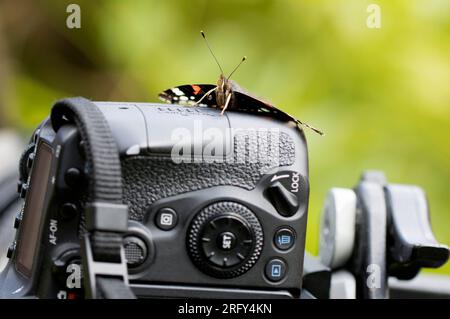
[
  {"x": 275, "y": 269},
  {"x": 284, "y": 238}
]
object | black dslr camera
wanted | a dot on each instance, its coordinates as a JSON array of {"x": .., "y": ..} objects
[
  {"x": 151, "y": 200},
  {"x": 205, "y": 203}
]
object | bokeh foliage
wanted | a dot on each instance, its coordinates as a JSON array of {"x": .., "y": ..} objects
[{"x": 381, "y": 95}]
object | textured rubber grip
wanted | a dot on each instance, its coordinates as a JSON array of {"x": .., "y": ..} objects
[{"x": 102, "y": 156}]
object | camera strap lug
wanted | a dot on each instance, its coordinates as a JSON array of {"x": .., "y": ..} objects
[
  {"x": 106, "y": 273},
  {"x": 101, "y": 275}
]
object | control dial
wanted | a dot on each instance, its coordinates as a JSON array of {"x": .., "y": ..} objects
[{"x": 225, "y": 239}]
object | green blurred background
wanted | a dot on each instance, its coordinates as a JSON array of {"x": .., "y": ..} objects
[{"x": 381, "y": 95}]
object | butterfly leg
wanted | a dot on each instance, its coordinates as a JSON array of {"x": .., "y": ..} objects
[
  {"x": 206, "y": 94},
  {"x": 226, "y": 104}
]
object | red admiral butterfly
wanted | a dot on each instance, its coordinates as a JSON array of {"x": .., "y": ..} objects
[{"x": 227, "y": 94}]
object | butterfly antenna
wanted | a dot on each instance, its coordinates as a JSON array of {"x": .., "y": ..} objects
[
  {"x": 237, "y": 67},
  {"x": 310, "y": 127},
  {"x": 212, "y": 53}
]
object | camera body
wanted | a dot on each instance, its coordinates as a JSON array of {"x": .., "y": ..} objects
[{"x": 217, "y": 205}]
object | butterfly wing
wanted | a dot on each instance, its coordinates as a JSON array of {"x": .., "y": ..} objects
[
  {"x": 189, "y": 94},
  {"x": 241, "y": 101},
  {"x": 249, "y": 104}
]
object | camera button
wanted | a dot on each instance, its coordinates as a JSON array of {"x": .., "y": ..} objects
[
  {"x": 226, "y": 241},
  {"x": 275, "y": 270},
  {"x": 284, "y": 238},
  {"x": 18, "y": 220},
  {"x": 73, "y": 177},
  {"x": 19, "y": 186},
  {"x": 166, "y": 218},
  {"x": 68, "y": 210},
  {"x": 23, "y": 190},
  {"x": 11, "y": 250},
  {"x": 30, "y": 160}
]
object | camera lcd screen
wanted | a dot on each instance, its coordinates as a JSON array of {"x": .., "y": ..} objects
[{"x": 33, "y": 210}]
